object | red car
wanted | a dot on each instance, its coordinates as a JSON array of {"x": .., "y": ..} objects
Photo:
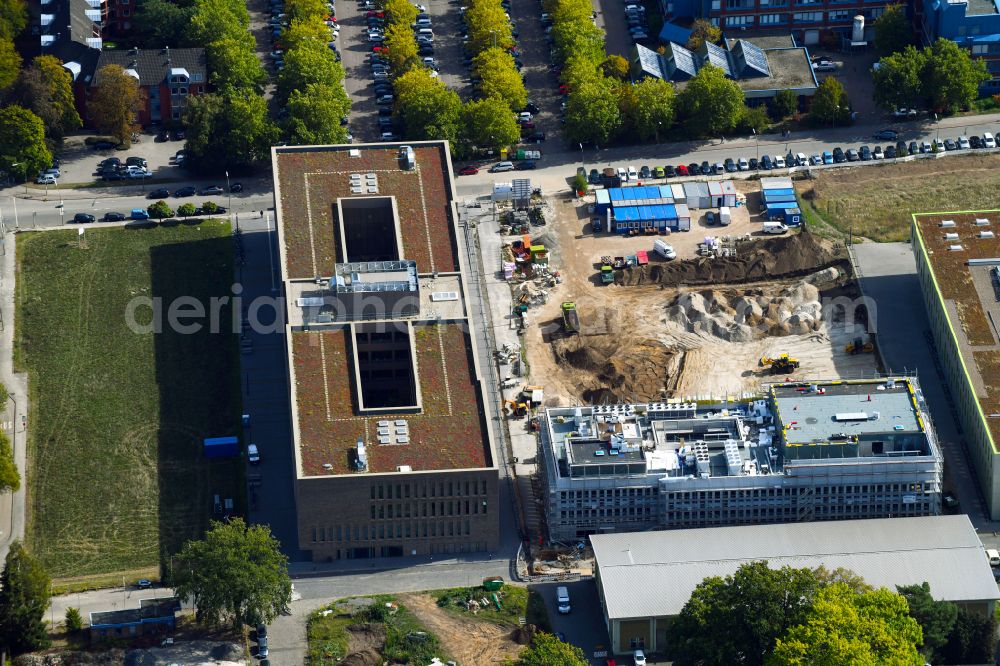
[
  {"x": 374, "y": 14},
  {"x": 527, "y": 125},
  {"x": 379, "y": 49},
  {"x": 563, "y": 89},
  {"x": 468, "y": 171},
  {"x": 682, "y": 170}
]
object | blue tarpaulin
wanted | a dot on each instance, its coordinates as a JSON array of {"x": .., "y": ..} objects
[
  {"x": 774, "y": 193},
  {"x": 221, "y": 447}
]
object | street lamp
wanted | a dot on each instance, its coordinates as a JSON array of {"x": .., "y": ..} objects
[
  {"x": 494, "y": 33},
  {"x": 756, "y": 143},
  {"x": 230, "y": 190},
  {"x": 582, "y": 158}
]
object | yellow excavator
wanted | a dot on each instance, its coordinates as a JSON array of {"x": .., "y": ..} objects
[
  {"x": 779, "y": 364},
  {"x": 515, "y": 409},
  {"x": 859, "y": 346}
]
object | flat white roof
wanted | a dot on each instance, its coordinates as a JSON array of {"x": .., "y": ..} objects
[{"x": 652, "y": 574}]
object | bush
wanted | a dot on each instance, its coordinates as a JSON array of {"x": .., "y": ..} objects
[
  {"x": 74, "y": 621},
  {"x": 209, "y": 207},
  {"x": 580, "y": 183},
  {"x": 186, "y": 210},
  {"x": 159, "y": 210}
]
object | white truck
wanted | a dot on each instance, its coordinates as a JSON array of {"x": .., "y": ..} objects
[{"x": 664, "y": 249}]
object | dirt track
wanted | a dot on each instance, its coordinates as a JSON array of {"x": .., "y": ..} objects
[{"x": 467, "y": 641}]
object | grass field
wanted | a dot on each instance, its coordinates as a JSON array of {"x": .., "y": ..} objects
[
  {"x": 875, "y": 202},
  {"x": 513, "y": 603},
  {"x": 116, "y": 478}
]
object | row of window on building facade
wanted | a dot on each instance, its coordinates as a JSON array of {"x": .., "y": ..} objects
[{"x": 361, "y": 533}]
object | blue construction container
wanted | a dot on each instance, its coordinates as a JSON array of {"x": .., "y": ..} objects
[{"x": 222, "y": 447}]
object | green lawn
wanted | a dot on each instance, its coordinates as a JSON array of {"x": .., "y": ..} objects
[
  {"x": 407, "y": 641},
  {"x": 116, "y": 477},
  {"x": 513, "y": 603}
]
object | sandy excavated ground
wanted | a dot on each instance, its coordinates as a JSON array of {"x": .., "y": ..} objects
[
  {"x": 467, "y": 641},
  {"x": 654, "y": 339}
]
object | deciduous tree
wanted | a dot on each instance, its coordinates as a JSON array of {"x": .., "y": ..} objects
[
  {"x": 22, "y": 142},
  {"x": 159, "y": 210},
  {"x": 237, "y": 575},
  {"x": 307, "y": 10},
  {"x": 402, "y": 48},
  {"x": 46, "y": 88},
  {"x": 10, "y": 62},
  {"x": 10, "y": 477},
  {"x": 951, "y": 77},
  {"x": 298, "y": 32},
  {"x": 402, "y": 12},
  {"x": 314, "y": 115},
  {"x": 309, "y": 62},
  {"x": 710, "y": 104},
  {"x": 580, "y": 38},
  {"x": 428, "y": 109},
  {"x": 163, "y": 23},
  {"x": 830, "y": 104},
  {"x": 785, "y": 104},
  {"x": 756, "y": 605},
  {"x": 753, "y": 118},
  {"x": 844, "y": 627},
  {"x": 972, "y": 639},
  {"x": 547, "y": 650},
  {"x": 615, "y": 67},
  {"x": 232, "y": 64},
  {"x": 114, "y": 102},
  {"x": 898, "y": 80},
  {"x": 648, "y": 108},
  {"x": 489, "y": 124},
  {"x": 893, "y": 30},
  {"x": 186, "y": 209},
  {"x": 220, "y": 19},
  {"x": 500, "y": 77},
  {"x": 703, "y": 31},
  {"x": 227, "y": 130},
  {"x": 13, "y": 18},
  {"x": 488, "y": 26},
  {"x": 24, "y": 596},
  {"x": 936, "y": 618},
  {"x": 592, "y": 113}
]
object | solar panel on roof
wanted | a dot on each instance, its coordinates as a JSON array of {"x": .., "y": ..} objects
[
  {"x": 754, "y": 58},
  {"x": 717, "y": 56},
  {"x": 649, "y": 61},
  {"x": 684, "y": 60}
]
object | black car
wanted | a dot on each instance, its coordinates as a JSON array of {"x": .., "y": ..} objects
[
  {"x": 765, "y": 162},
  {"x": 694, "y": 169},
  {"x": 535, "y": 137},
  {"x": 112, "y": 174},
  {"x": 706, "y": 168},
  {"x": 669, "y": 171},
  {"x": 385, "y": 112},
  {"x": 838, "y": 155},
  {"x": 901, "y": 149},
  {"x": 753, "y": 164},
  {"x": 644, "y": 172},
  {"x": 82, "y": 218},
  {"x": 975, "y": 142},
  {"x": 950, "y": 145},
  {"x": 188, "y": 191},
  {"x": 426, "y": 50},
  {"x": 530, "y": 107},
  {"x": 865, "y": 152},
  {"x": 135, "y": 161},
  {"x": 913, "y": 148},
  {"x": 211, "y": 189},
  {"x": 113, "y": 217},
  {"x": 890, "y": 152},
  {"x": 526, "y": 165},
  {"x": 159, "y": 194},
  {"x": 178, "y": 135},
  {"x": 236, "y": 187},
  {"x": 162, "y": 135},
  {"x": 729, "y": 165}
]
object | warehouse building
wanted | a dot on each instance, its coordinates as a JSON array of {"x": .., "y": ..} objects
[
  {"x": 958, "y": 262},
  {"x": 393, "y": 449},
  {"x": 644, "y": 579},
  {"x": 799, "y": 452}
]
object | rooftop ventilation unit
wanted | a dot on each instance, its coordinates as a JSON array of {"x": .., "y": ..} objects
[
  {"x": 982, "y": 222},
  {"x": 951, "y": 236},
  {"x": 946, "y": 224},
  {"x": 985, "y": 234},
  {"x": 361, "y": 463},
  {"x": 955, "y": 248}
]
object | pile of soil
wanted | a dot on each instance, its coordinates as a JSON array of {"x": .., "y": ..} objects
[
  {"x": 617, "y": 370},
  {"x": 772, "y": 258},
  {"x": 363, "y": 644}
]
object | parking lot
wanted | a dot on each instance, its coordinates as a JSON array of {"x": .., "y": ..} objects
[{"x": 584, "y": 625}]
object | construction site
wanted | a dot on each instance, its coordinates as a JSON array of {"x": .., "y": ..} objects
[{"x": 720, "y": 312}]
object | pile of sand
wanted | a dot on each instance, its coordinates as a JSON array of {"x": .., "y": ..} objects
[
  {"x": 617, "y": 370},
  {"x": 743, "y": 316},
  {"x": 783, "y": 256}
]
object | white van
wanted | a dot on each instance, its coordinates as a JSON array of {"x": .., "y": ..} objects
[
  {"x": 774, "y": 228},
  {"x": 993, "y": 556},
  {"x": 989, "y": 141},
  {"x": 562, "y": 598},
  {"x": 725, "y": 216}
]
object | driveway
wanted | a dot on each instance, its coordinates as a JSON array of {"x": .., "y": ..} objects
[
  {"x": 78, "y": 161},
  {"x": 354, "y": 49},
  {"x": 888, "y": 276},
  {"x": 583, "y": 626},
  {"x": 611, "y": 19},
  {"x": 449, "y": 52}
]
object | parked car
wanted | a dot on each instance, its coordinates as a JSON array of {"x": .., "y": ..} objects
[
  {"x": 706, "y": 168},
  {"x": 682, "y": 170},
  {"x": 904, "y": 113},
  {"x": 594, "y": 178},
  {"x": 139, "y": 214},
  {"x": 765, "y": 163},
  {"x": 502, "y": 166},
  {"x": 144, "y": 583},
  {"x": 890, "y": 152},
  {"x": 877, "y": 154},
  {"x": 886, "y": 135},
  {"x": 694, "y": 169},
  {"x": 852, "y": 155},
  {"x": 939, "y": 145},
  {"x": 45, "y": 179},
  {"x": 158, "y": 194},
  {"x": 950, "y": 145},
  {"x": 468, "y": 170},
  {"x": 83, "y": 218},
  {"x": 526, "y": 165},
  {"x": 824, "y": 66},
  {"x": 644, "y": 172},
  {"x": 975, "y": 142},
  {"x": 729, "y": 165},
  {"x": 753, "y": 164},
  {"x": 188, "y": 191},
  {"x": 913, "y": 148},
  {"x": 901, "y": 149},
  {"x": 815, "y": 160},
  {"x": 865, "y": 153},
  {"x": 742, "y": 164},
  {"x": 963, "y": 143},
  {"x": 639, "y": 657},
  {"x": 659, "y": 172},
  {"x": 779, "y": 162},
  {"x": 669, "y": 171},
  {"x": 827, "y": 157},
  {"x": 633, "y": 173},
  {"x": 113, "y": 217},
  {"x": 236, "y": 187}
]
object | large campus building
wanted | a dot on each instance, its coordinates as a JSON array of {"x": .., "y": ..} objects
[
  {"x": 393, "y": 450},
  {"x": 958, "y": 261},
  {"x": 644, "y": 579},
  {"x": 803, "y": 451}
]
